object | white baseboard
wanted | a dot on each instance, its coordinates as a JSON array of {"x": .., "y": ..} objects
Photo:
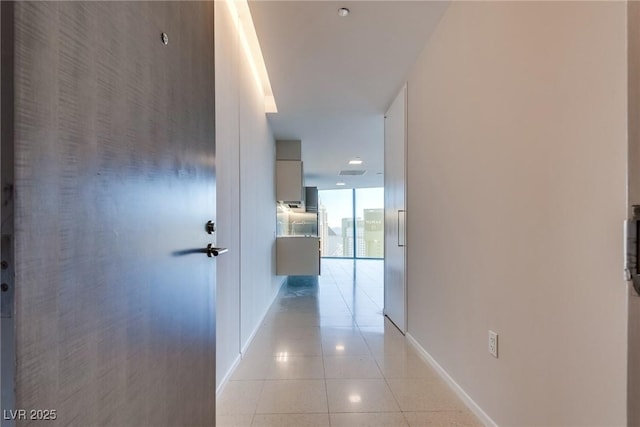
[
  {"x": 471, "y": 404},
  {"x": 245, "y": 347},
  {"x": 239, "y": 357},
  {"x": 230, "y": 372}
]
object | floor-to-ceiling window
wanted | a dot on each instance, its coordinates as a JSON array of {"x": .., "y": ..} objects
[
  {"x": 351, "y": 223},
  {"x": 369, "y": 203},
  {"x": 335, "y": 209}
]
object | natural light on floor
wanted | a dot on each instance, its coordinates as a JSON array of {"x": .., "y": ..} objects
[{"x": 326, "y": 356}]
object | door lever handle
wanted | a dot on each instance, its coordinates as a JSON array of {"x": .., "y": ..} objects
[
  {"x": 632, "y": 248},
  {"x": 211, "y": 251},
  {"x": 402, "y": 228}
]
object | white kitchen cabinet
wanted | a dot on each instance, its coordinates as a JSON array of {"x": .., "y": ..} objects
[
  {"x": 298, "y": 256},
  {"x": 289, "y": 182}
]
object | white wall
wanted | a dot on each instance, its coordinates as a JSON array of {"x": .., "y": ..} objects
[
  {"x": 259, "y": 284},
  {"x": 245, "y": 160},
  {"x": 228, "y": 196},
  {"x": 516, "y": 197}
]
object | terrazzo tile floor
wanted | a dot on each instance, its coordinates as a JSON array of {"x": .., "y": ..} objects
[{"x": 326, "y": 356}]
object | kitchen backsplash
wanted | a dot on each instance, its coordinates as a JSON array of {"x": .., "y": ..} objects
[{"x": 290, "y": 223}]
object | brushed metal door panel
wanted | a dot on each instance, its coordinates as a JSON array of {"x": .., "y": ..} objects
[{"x": 114, "y": 182}]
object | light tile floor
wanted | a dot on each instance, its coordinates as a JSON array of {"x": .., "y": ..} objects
[{"x": 326, "y": 356}]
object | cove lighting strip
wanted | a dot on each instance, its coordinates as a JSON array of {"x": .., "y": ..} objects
[{"x": 241, "y": 17}]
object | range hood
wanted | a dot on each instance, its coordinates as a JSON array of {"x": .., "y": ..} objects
[{"x": 309, "y": 204}]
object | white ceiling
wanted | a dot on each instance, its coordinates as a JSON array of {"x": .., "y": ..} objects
[{"x": 333, "y": 78}]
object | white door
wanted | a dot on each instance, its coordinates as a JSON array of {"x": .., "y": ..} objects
[{"x": 395, "y": 286}]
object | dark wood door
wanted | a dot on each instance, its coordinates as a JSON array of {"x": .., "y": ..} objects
[
  {"x": 114, "y": 181},
  {"x": 633, "y": 188}
]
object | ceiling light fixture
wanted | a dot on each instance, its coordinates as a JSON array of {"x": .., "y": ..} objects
[
  {"x": 340, "y": 183},
  {"x": 356, "y": 161},
  {"x": 342, "y": 12}
]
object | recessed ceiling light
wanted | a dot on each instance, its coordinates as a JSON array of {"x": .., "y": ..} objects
[
  {"x": 340, "y": 183},
  {"x": 342, "y": 12},
  {"x": 356, "y": 161}
]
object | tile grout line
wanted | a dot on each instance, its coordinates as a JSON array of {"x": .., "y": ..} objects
[
  {"x": 335, "y": 285},
  {"x": 324, "y": 374},
  {"x": 384, "y": 376},
  {"x": 255, "y": 410},
  {"x": 371, "y": 354}
]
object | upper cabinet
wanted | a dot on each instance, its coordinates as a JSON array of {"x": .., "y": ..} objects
[
  {"x": 289, "y": 182},
  {"x": 289, "y": 174}
]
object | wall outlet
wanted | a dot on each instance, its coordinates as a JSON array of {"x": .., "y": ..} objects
[{"x": 493, "y": 344}]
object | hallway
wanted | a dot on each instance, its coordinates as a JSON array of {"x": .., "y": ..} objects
[{"x": 325, "y": 356}]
